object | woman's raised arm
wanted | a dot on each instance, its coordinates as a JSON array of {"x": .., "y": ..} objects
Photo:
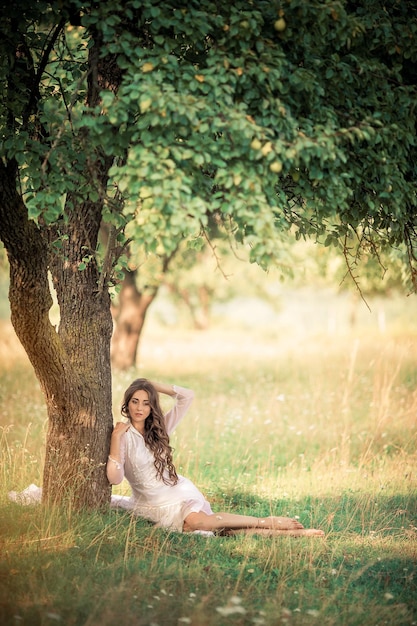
[
  {"x": 183, "y": 397},
  {"x": 164, "y": 388}
]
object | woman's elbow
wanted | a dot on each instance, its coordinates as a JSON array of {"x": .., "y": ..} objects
[{"x": 114, "y": 480}]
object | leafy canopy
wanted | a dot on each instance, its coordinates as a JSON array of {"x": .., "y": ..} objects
[{"x": 265, "y": 116}]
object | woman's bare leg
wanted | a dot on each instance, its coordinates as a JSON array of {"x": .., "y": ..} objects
[
  {"x": 271, "y": 532},
  {"x": 245, "y": 523}
]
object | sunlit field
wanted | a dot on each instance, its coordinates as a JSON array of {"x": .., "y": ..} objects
[{"x": 319, "y": 425}]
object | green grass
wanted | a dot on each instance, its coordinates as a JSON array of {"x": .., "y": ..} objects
[{"x": 323, "y": 430}]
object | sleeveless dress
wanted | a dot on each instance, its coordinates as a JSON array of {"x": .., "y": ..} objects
[{"x": 165, "y": 505}]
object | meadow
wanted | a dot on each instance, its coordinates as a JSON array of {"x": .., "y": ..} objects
[{"x": 323, "y": 427}]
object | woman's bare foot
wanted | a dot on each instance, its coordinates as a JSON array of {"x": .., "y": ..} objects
[{"x": 279, "y": 523}]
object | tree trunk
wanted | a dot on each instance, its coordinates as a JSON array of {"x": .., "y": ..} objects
[
  {"x": 71, "y": 364},
  {"x": 129, "y": 318}
]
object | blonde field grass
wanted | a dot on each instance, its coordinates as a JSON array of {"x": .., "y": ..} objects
[{"x": 323, "y": 427}]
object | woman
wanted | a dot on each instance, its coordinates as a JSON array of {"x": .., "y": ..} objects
[{"x": 140, "y": 451}]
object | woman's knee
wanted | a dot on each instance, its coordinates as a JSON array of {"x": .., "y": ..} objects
[{"x": 197, "y": 521}]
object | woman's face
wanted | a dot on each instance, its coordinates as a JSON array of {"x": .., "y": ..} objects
[{"x": 139, "y": 409}]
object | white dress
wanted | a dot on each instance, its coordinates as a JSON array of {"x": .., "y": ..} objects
[{"x": 165, "y": 505}]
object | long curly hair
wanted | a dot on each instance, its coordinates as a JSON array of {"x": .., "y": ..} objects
[{"x": 156, "y": 437}]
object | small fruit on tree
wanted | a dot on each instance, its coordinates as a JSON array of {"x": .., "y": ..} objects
[
  {"x": 276, "y": 167},
  {"x": 280, "y": 24}
]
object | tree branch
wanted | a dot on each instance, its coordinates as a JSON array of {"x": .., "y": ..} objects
[
  {"x": 346, "y": 253},
  {"x": 34, "y": 92}
]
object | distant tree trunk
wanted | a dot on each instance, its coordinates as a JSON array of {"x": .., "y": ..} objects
[
  {"x": 130, "y": 312},
  {"x": 129, "y": 318}
]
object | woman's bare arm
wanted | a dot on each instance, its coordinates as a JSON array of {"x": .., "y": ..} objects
[
  {"x": 115, "y": 470},
  {"x": 164, "y": 388}
]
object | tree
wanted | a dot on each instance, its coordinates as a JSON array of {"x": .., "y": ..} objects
[
  {"x": 129, "y": 310},
  {"x": 153, "y": 117}
]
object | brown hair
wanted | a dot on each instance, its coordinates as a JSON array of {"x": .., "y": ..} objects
[{"x": 156, "y": 436}]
